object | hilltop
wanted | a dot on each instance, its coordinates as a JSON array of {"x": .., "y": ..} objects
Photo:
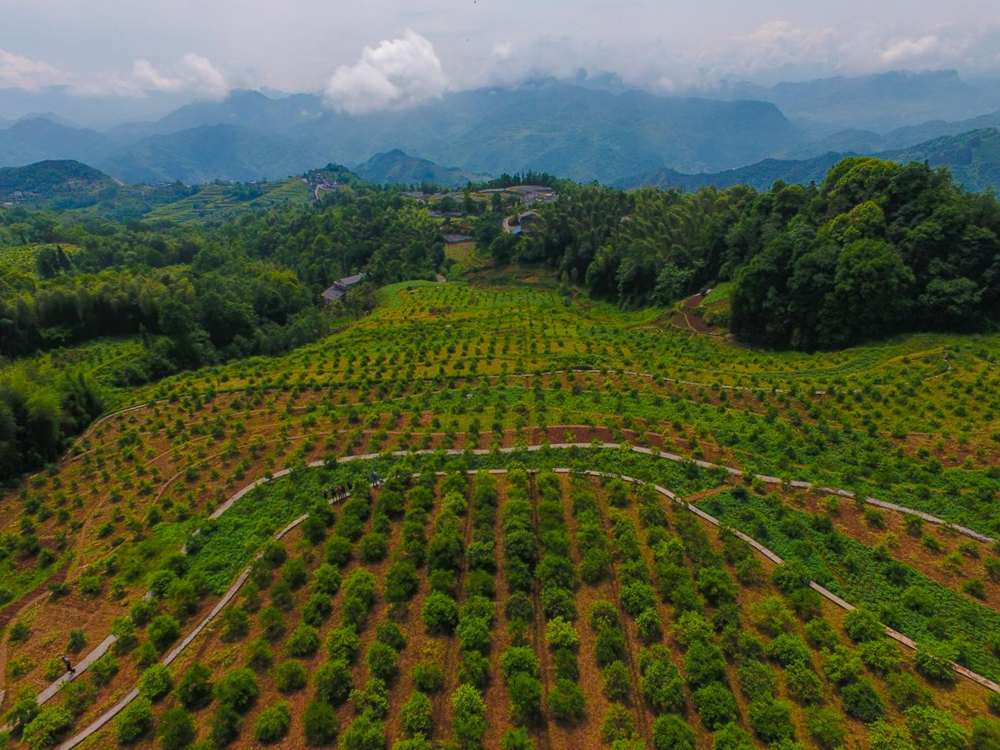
[
  {"x": 48, "y": 181},
  {"x": 399, "y": 168}
]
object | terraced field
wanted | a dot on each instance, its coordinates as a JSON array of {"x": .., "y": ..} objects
[
  {"x": 216, "y": 202},
  {"x": 561, "y": 608}
]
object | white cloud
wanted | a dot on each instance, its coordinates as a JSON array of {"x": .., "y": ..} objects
[
  {"x": 396, "y": 73},
  {"x": 192, "y": 74},
  {"x": 774, "y": 46},
  {"x": 776, "y": 50},
  {"x": 502, "y": 50},
  {"x": 21, "y": 72},
  {"x": 903, "y": 51}
]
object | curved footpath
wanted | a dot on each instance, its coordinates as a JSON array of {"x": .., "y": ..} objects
[
  {"x": 108, "y": 715},
  {"x": 108, "y": 642}
]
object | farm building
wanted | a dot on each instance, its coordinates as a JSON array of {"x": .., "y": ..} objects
[
  {"x": 527, "y": 219},
  {"x": 454, "y": 239},
  {"x": 340, "y": 287}
]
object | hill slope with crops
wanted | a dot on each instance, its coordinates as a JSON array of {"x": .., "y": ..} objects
[{"x": 486, "y": 515}]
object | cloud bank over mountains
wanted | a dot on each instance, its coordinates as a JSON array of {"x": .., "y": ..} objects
[
  {"x": 437, "y": 48},
  {"x": 192, "y": 74},
  {"x": 19, "y": 72}
]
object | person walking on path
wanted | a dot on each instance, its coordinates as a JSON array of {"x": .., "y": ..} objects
[{"x": 69, "y": 665}]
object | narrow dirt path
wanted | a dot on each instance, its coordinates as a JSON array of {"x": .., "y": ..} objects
[
  {"x": 633, "y": 643},
  {"x": 417, "y": 644},
  {"x": 541, "y": 732},
  {"x": 495, "y": 695},
  {"x": 586, "y": 734},
  {"x": 443, "y": 712}
]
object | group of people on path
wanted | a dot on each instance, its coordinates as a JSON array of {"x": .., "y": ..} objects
[
  {"x": 338, "y": 493},
  {"x": 342, "y": 492}
]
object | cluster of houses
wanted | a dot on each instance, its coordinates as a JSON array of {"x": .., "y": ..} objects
[
  {"x": 318, "y": 184},
  {"x": 530, "y": 194}
]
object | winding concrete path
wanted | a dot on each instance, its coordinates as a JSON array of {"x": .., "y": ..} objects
[
  {"x": 105, "y": 645},
  {"x": 108, "y": 715}
]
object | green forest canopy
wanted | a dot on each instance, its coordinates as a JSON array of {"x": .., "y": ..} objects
[
  {"x": 877, "y": 249},
  {"x": 197, "y": 296}
]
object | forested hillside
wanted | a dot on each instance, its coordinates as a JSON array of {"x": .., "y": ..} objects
[
  {"x": 196, "y": 296},
  {"x": 876, "y": 249},
  {"x": 398, "y": 168}
]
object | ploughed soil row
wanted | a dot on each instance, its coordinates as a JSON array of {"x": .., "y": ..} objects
[
  {"x": 495, "y": 695},
  {"x": 443, "y": 712},
  {"x": 587, "y": 733},
  {"x": 633, "y": 643},
  {"x": 543, "y": 732},
  {"x": 419, "y": 644}
]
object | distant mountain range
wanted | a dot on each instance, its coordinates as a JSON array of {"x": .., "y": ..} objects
[
  {"x": 590, "y": 129},
  {"x": 879, "y": 103},
  {"x": 867, "y": 142},
  {"x": 973, "y": 158},
  {"x": 577, "y": 132},
  {"x": 209, "y": 152}
]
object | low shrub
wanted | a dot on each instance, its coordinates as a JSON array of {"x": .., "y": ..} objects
[
  {"x": 319, "y": 724},
  {"x": 195, "y": 688},
  {"x": 333, "y": 681},
  {"x": 155, "y": 683},
  {"x": 671, "y": 732},
  {"x": 428, "y": 677},
  {"x": 290, "y": 676},
  {"x": 416, "y": 715},
  {"x": 566, "y": 701},
  {"x": 272, "y": 724},
  {"x": 47, "y": 728},
  {"x": 238, "y": 690},
  {"x": 176, "y": 729},
  {"x": 134, "y": 722}
]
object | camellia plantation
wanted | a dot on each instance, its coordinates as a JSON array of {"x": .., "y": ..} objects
[{"x": 679, "y": 470}]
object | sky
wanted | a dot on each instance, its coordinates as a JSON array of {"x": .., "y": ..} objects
[{"x": 370, "y": 55}]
